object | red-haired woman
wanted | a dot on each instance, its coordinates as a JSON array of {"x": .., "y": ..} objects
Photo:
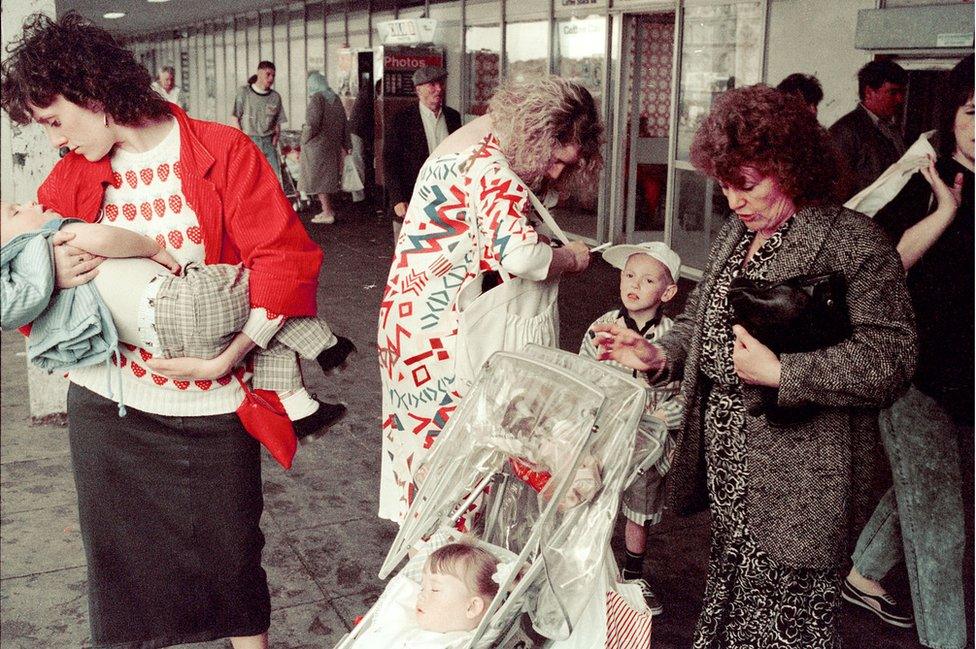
[{"x": 781, "y": 494}]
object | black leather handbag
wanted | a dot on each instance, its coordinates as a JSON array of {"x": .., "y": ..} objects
[{"x": 796, "y": 315}]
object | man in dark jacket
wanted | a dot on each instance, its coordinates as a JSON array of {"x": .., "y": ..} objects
[
  {"x": 411, "y": 136},
  {"x": 869, "y": 137}
]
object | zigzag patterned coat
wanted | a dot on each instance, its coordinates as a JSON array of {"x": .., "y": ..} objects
[
  {"x": 437, "y": 257},
  {"x": 807, "y": 483}
]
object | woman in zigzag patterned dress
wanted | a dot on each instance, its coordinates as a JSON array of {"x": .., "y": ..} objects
[{"x": 479, "y": 177}]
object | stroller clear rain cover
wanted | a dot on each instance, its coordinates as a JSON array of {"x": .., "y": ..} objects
[{"x": 550, "y": 417}]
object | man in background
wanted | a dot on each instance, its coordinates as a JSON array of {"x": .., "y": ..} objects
[
  {"x": 260, "y": 112},
  {"x": 165, "y": 85},
  {"x": 411, "y": 136},
  {"x": 869, "y": 137}
]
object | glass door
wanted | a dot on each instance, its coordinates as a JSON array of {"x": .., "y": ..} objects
[
  {"x": 645, "y": 123},
  {"x": 580, "y": 53},
  {"x": 721, "y": 47}
]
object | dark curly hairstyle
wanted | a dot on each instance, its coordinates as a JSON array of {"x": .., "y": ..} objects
[
  {"x": 81, "y": 62},
  {"x": 772, "y": 132}
]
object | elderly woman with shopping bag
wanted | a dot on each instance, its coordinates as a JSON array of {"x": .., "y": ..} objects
[
  {"x": 471, "y": 275},
  {"x": 325, "y": 142}
]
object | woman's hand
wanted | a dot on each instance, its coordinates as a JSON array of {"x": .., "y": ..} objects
[
  {"x": 72, "y": 266},
  {"x": 190, "y": 368},
  {"x": 629, "y": 348},
  {"x": 755, "y": 363},
  {"x": 165, "y": 259},
  {"x": 947, "y": 198},
  {"x": 580, "y": 256},
  {"x": 200, "y": 368}
]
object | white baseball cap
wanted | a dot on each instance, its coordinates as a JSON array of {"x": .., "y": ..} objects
[{"x": 617, "y": 256}]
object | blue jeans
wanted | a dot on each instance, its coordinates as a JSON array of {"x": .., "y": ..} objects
[
  {"x": 920, "y": 518},
  {"x": 270, "y": 151}
]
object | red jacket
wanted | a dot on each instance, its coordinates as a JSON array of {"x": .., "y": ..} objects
[{"x": 243, "y": 213}]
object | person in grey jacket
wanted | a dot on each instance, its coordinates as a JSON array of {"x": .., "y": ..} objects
[
  {"x": 781, "y": 497},
  {"x": 325, "y": 142}
]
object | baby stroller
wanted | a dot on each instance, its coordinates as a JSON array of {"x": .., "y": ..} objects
[
  {"x": 525, "y": 442},
  {"x": 289, "y": 154}
]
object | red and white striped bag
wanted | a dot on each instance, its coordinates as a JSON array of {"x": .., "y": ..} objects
[
  {"x": 627, "y": 627},
  {"x": 616, "y": 617}
]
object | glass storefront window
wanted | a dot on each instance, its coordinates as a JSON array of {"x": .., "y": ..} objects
[
  {"x": 721, "y": 48},
  {"x": 581, "y": 50},
  {"x": 483, "y": 46},
  {"x": 700, "y": 211},
  {"x": 526, "y": 49},
  {"x": 580, "y": 53}
]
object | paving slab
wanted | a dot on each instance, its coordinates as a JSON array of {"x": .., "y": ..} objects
[
  {"x": 48, "y": 609},
  {"x": 36, "y": 484},
  {"x": 345, "y": 558}
]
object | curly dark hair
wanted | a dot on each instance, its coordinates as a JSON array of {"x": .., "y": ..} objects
[
  {"x": 82, "y": 63},
  {"x": 773, "y": 133}
]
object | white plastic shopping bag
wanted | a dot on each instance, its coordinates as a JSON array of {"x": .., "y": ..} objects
[
  {"x": 351, "y": 181},
  {"x": 616, "y": 617},
  {"x": 893, "y": 179}
]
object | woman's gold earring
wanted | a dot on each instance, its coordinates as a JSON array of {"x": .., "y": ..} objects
[{"x": 105, "y": 119}]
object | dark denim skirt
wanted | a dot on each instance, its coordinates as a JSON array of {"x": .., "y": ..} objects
[{"x": 169, "y": 509}]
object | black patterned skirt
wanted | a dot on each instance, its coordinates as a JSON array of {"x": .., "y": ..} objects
[{"x": 751, "y": 601}]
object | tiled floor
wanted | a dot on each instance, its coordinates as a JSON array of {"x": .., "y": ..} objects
[{"x": 324, "y": 542}]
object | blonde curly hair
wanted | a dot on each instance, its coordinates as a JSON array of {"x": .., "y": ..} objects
[{"x": 534, "y": 118}]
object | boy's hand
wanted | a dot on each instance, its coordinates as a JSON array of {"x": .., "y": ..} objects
[{"x": 164, "y": 258}]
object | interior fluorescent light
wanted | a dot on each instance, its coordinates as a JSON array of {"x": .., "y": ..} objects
[
  {"x": 158, "y": 0},
  {"x": 113, "y": 15}
]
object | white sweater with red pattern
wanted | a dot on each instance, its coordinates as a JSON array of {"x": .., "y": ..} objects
[{"x": 146, "y": 196}]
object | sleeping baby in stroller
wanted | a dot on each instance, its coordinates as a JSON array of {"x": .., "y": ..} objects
[{"x": 457, "y": 584}]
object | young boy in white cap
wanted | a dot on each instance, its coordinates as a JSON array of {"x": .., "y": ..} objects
[{"x": 648, "y": 278}]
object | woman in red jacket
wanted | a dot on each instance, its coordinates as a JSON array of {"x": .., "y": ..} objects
[{"x": 170, "y": 495}]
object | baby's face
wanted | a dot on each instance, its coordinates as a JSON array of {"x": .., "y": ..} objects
[
  {"x": 17, "y": 218},
  {"x": 446, "y": 604}
]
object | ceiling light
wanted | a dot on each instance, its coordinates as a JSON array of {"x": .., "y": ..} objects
[
  {"x": 113, "y": 15},
  {"x": 158, "y": 0}
]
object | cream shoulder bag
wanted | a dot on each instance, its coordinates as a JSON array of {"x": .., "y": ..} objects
[{"x": 507, "y": 317}]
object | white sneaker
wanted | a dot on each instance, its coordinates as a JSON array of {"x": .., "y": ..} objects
[
  {"x": 653, "y": 603},
  {"x": 323, "y": 218}
]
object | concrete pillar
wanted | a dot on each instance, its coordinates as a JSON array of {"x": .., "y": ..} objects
[{"x": 26, "y": 157}]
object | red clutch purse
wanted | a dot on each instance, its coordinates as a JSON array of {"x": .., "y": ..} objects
[{"x": 265, "y": 420}]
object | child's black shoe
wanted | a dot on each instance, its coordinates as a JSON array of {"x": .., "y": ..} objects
[
  {"x": 337, "y": 355},
  {"x": 326, "y": 415}
]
